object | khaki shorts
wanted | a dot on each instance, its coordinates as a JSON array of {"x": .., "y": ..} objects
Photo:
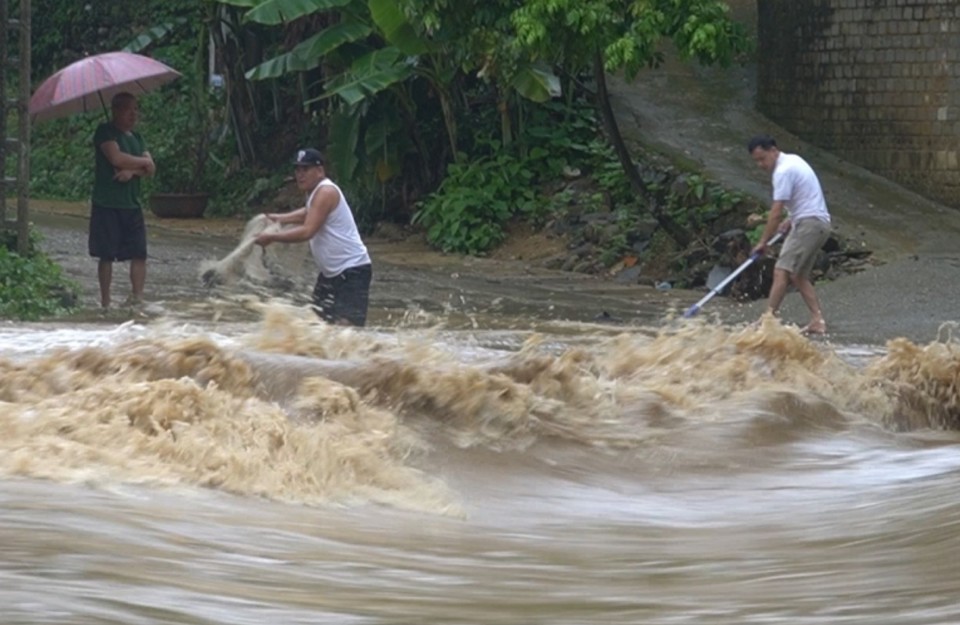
[{"x": 799, "y": 251}]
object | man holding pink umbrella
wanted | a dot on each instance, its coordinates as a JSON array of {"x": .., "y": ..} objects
[{"x": 117, "y": 229}]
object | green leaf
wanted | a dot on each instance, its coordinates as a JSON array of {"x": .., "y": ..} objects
[
  {"x": 342, "y": 141},
  {"x": 536, "y": 83},
  {"x": 309, "y": 53},
  {"x": 278, "y": 11},
  {"x": 329, "y": 39},
  {"x": 369, "y": 75},
  {"x": 280, "y": 65},
  {"x": 153, "y": 35},
  {"x": 241, "y": 3},
  {"x": 396, "y": 28}
]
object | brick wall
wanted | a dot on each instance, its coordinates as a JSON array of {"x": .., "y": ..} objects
[{"x": 874, "y": 81}]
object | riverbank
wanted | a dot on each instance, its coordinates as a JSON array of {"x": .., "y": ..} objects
[{"x": 910, "y": 296}]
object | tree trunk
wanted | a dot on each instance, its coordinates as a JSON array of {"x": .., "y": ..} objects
[
  {"x": 506, "y": 123},
  {"x": 408, "y": 111},
  {"x": 676, "y": 232}
]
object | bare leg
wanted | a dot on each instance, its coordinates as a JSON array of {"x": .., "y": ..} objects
[
  {"x": 781, "y": 278},
  {"x": 817, "y": 323},
  {"x": 138, "y": 277},
  {"x": 105, "y": 276}
]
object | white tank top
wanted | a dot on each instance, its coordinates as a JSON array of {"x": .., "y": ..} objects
[{"x": 337, "y": 245}]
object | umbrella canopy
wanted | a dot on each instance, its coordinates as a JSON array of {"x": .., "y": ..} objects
[{"x": 90, "y": 83}]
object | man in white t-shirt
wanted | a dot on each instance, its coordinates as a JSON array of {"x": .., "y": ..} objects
[
  {"x": 342, "y": 292},
  {"x": 798, "y": 208}
]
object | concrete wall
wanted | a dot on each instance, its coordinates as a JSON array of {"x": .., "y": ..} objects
[{"x": 876, "y": 82}]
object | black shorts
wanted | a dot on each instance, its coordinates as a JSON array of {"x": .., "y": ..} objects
[
  {"x": 344, "y": 297},
  {"x": 117, "y": 234}
]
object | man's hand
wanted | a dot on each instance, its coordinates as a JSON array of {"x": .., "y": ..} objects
[
  {"x": 263, "y": 239},
  {"x": 124, "y": 175},
  {"x": 151, "y": 168}
]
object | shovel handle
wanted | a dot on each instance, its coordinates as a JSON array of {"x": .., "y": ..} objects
[{"x": 693, "y": 310}]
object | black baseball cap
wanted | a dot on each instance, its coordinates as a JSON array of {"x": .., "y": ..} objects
[{"x": 308, "y": 157}]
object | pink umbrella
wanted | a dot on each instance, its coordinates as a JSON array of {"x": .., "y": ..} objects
[{"x": 90, "y": 83}]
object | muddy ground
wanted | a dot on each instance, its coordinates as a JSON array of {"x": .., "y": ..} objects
[{"x": 411, "y": 281}]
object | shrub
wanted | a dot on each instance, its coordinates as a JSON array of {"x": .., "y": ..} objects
[{"x": 32, "y": 286}]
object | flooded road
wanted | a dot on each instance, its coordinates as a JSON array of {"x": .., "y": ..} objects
[{"x": 484, "y": 453}]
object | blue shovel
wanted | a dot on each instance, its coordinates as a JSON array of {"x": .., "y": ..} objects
[{"x": 706, "y": 298}]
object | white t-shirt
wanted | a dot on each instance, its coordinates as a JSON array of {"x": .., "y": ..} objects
[
  {"x": 796, "y": 185},
  {"x": 337, "y": 245}
]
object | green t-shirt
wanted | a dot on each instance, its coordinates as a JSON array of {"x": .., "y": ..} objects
[{"x": 107, "y": 191}]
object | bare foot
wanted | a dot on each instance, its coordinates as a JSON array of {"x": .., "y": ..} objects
[{"x": 817, "y": 326}]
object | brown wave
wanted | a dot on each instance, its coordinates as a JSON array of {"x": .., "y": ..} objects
[{"x": 312, "y": 413}]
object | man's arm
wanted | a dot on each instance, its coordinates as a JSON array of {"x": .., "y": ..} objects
[
  {"x": 324, "y": 201},
  {"x": 121, "y": 160},
  {"x": 150, "y": 169},
  {"x": 774, "y": 220},
  {"x": 293, "y": 217}
]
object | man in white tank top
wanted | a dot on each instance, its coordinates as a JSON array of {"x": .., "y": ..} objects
[
  {"x": 342, "y": 292},
  {"x": 798, "y": 208}
]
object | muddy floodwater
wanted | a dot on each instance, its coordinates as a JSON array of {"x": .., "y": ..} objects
[{"x": 486, "y": 452}]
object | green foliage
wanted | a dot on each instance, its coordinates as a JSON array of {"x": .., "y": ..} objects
[
  {"x": 694, "y": 201},
  {"x": 63, "y": 32},
  {"x": 754, "y": 234},
  {"x": 392, "y": 90},
  {"x": 179, "y": 121},
  {"x": 309, "y": 53},
  {"x": 571, "y": 31},
  {"x": 618, "y": 245},
  {"x": 31, "y": 286},
  {"x": 467, "y": 213},
  {"x": 61, "y": 158}
]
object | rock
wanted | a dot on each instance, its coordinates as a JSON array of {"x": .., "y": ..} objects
[
  {"x": 599, "y": 218},
  {"x": 630, "y": 275},
  {"x": 755, "y": 219},
  {"x": 608, "y": 234},
  {"x": 581, "y": 250},
  {"x": 643, "y": 229},
  {"x": 605, "y": 317},
  {"x": 832, "y": 245},
  {"x": 570, "y": 263},
  {"x": 736, "y": 233},
  {"x": 555, "y": 262},
  {"x": 639, "y": 247}
]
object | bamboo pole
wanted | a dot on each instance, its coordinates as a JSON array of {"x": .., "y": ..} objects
[
  {"x": 23, "y": 174},
  {"x": 4, "y": 146}
]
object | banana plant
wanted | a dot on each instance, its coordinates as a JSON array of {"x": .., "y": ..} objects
[
  {"x": 356, "y": 64},
  {"x": 413, "y": 50}
]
